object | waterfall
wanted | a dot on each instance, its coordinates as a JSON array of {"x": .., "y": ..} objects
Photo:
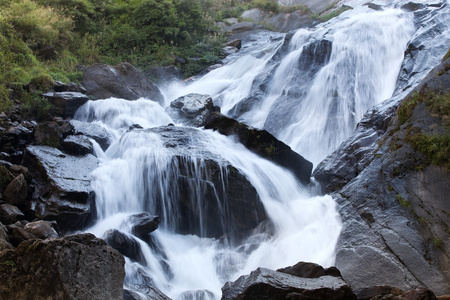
[{"x": 309, "y": 88}]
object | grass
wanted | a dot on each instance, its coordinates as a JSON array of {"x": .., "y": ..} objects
[
  {"x": 435, "y": 147},
  {"x": 402, "y": 201}
]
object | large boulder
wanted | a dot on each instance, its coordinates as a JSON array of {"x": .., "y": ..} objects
[
  {"x": 122, "y": 81},
  {"x": 143, "y": 224},
  {"x": 74, "y": 267},
  {"x": 93, "y": 131},
  {"x": 125, "y": 244},
  {"x": 63, "y": 190},
  {"x": 262, "y": 143},
  {"x": 16, "y": 193},
  {"x": 268, "y": 284},
  {"x": 192, "y": 109}
]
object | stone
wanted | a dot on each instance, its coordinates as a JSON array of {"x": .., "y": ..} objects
[
  {"x": 48, "y": 134},
  {"x": 19, "y": 234},
  {"x": 10, "y": 214},
  {"x": 264, "y": 144},
  {"x": 192, "y": 109},
  {"x": 164, "y": 74},
  {"x": 236, "y": 43},
  {"x": 63, "y": 187},
  {"x": 143, "y": 224},
  {"x": 122, "y": 81},
  {"x": 60, "y": 87},
  {"x": 77, "y": 145},
  {"x": 377, "y": 291},
  {"x": 264, "y": 283},
  {"x": 4, "y": 238},
  {"x": 74, "y": 267},
  {"x": 93, "y": 131},
  {"x": 125, "y": 244},
  {"x": 310, "y": 270},
  {"x": 16, "y": 193},
  {"x": 419, "y": 294},
  {"x": 41, "y": 229},
  {"x": 65, "y": 104}
]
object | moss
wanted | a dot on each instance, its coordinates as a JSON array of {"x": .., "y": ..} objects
[
  {"x": 390, "y": 188},
  {"x": 9, "y": 263},
  {"x": 35, "y": 107},
  {"x": 447, "y": 55},
  {"x": 438, "y": 242},
  {"x": 331, "y": 15},
  {"x": 402, "y": 201},
  {"x": 5, "y": 177},
  {"x": 435, "y": 147}
]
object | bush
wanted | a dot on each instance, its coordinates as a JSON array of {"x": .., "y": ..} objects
[
  {"x": 35, "y": 107},
  {"x": 5, "y": 102}
]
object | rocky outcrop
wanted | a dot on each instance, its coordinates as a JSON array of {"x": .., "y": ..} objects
[
  {"x": 65, "y": 104},
  {"x": 125, "y": 244},
  {"x": 192, "y": 109},
  {"x": 143, "y": 224},
  {"x": 262, "y": 143},
  {"x": 122, "y": 81},
  {"x": 74, "y": 267},
  {"x": 391, "y": 194},
  {"x": 93, "y": 131},
  {"x": 62, "y": 187},
  {"x": 265, "y": 283}
]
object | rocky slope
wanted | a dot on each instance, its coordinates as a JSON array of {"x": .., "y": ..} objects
[{"x": 391, "y": 180}]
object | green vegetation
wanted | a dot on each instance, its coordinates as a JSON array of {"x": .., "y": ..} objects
[
  {"x": 435, "y": 147},
  {"x": 331, "y": 15},
  {"x": 403, "y": 202}
]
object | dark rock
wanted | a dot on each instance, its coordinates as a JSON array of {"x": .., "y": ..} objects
[
  {"x": 74, "y": 267},
  {"x": 63, "y": 191},
  {"x": 411, "y": 6},
  {"x": 65, "y": 104},
  {"x": 4, "y": 238},
  {"x": 237, "y": 43},
  {"x": 310, "y": 270},
  {"x": 19, "y": 234},
  {"x": 5, "y": 175},
  {"x": 264, "y": 144},
  {"x": 192, "y": 109},
  {"x": 60, "y": 87},
  {"x": 77, "y": 145},
  {"x": 419, "y": 294},
  {"x": 10, "y": 214},
  {"x": 197, "y": 295},
  {"x": 94, "y": 131},
  {"x": 164, "y": 74},
  {"x": 377, "y": 291},
  {"x": 16, "y": 193},
  {"x": 48, "y": 134},
  {"x": 16, "y": 170},
  {"x": 268, "y": 284},
  {"x": 228, "y": 50},
  {"x": 122, "y": 81},
  {"x": 125, "y": 244},
  {"x": 143, "y": 224},
  {"x": 374, "y": 6},
  {"x": 41, "y": 229},
  {"x": 315, "y": 55}
]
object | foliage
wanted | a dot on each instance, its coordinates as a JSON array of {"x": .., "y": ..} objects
[
  {"x": 447, "y": 55},
  {"x": 435, "y": 147},
  {"x": 5, "y": 102},
  {"x": 331, "y": 15},
  {"x": 403, "y": 202}
]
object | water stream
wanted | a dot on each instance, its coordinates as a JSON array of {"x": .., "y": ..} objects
[{"x": 311, "y": 107}]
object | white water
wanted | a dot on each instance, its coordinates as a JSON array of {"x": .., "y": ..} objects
[{"x": 137, "y": 172}]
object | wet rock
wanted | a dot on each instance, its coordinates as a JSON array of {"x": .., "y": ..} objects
[
  {"x": 310, "y": 270},
  {"x": 377, "y": 291},
  {"x": 228, "y": 50},
  {"x": 125, "y": 244},
  {"x": 419, "y": 294},
  {"x": 63, "y": 191},
  {"x": 151, "y": 293},
  {"x": 41, "y": 229},
  {"x": 10, "y": 214},
  {"x": 94, "y": 131},
  {"x": 237, "y": 43},
  {"x": 5, "y": 175},
  {"x": 77, "y": 145},
  {"x": 16, "y": 193},
  {"x": 4, "y": 238},
  {"x": 65, "y": 104},
  {"x": 60, "y": 87},
  {"x": 192, "y": 109},
  {"x": 264, "y": 144},
  {"x": 74, "y": 267},
  {"x": 122, "y": 81},
  {"x": 16, "y": 170},
  {"x": 197, "y": 295},
  {"x": 143, "y": 224},
  {"x": 164, "y": 74},
  {"x": 265, "y": 283}
]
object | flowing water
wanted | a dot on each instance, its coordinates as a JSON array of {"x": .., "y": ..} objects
[{"x": 313, "y": 107}]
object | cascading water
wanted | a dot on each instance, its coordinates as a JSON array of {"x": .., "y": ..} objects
[{"x": 183, "y": 174}]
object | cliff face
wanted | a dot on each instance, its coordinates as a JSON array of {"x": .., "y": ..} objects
[{"x": 392, "y": 182}]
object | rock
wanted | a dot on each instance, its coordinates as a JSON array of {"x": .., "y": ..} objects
[
  {"x": 419, "y": 294},
  {"x": 19, "y": 234},
  {"x": 16, "y": 170},
  {"x": 264, "y": 144},
  {"x": 377, "y": 291},
  {"x": 265, "y": 283},
  {"x": 74, "y": 267},
  {"x": 122, "y": 81},
  {"x": 143, "y": 224},
  {"x": 60, "y": 87},
  {"x": 192, "y": 109},
  {"x": 236, "y": 43},
  {"x": 94, "y": 131},
  {"x": 313, "y": 5},
  {"x": 310, "y": 270},
  {"x": 4, "y": 238},
  {"x": 65, "y": 104},
  {"x": 5, "y": 175},
  {"x": 164, "y": 74},
  {"x": 151, "y": 293},
  {"x": 63, "y": 187},
  {"x": 41, "y": 229},
  {"x": 77, "y": 145},
  {"x": 125, "y": 244},
  {"x": 228, "y": 50},
  {"x": 48, "y": 134},
  {"x": 16, "y": 193},
  {"x": 10, "y": 214}
]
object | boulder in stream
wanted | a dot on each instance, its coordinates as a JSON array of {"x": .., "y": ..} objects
[
  {"x": 63, "y": 191},
  {"x": 192, "y": 109}
]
